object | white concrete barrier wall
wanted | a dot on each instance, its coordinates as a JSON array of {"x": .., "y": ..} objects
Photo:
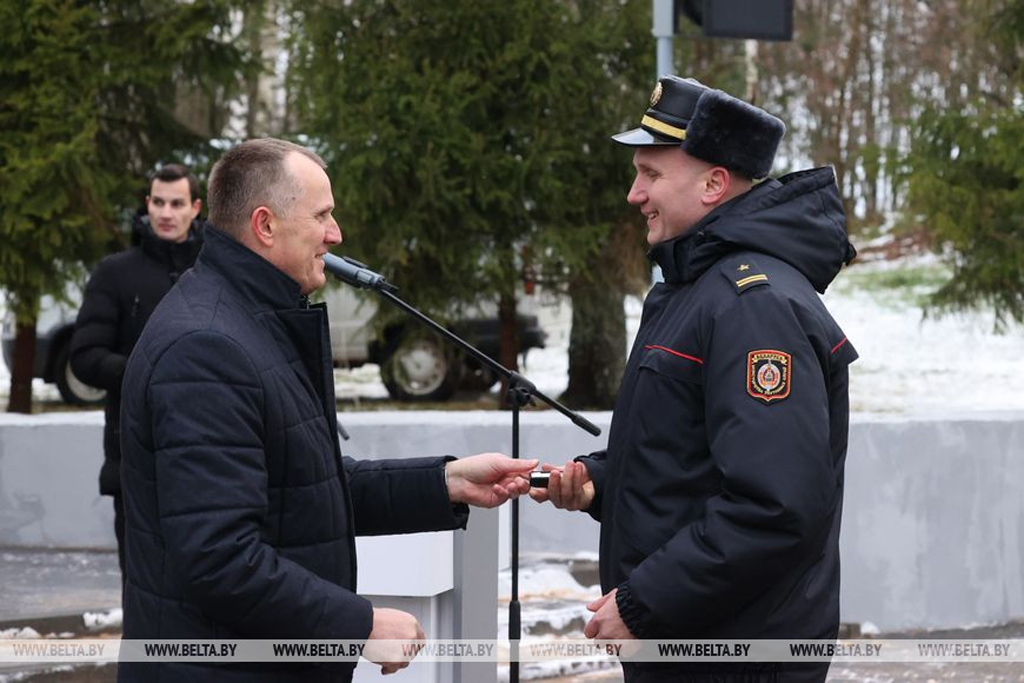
[
  {"x": 932, "y": 529},
  {"x": 933, "y": 521}
]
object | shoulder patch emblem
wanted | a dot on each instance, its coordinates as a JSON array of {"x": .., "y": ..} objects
[{"x": 769, "y": 374}]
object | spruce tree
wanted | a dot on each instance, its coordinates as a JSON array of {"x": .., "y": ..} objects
[
  {"x": 88, "y": 93},
  {"x": 469, "y": 142}
]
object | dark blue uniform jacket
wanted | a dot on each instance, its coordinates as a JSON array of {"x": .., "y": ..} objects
[
  {"x": 721, "y": 489},
  {"x": 242, "y": 513}
]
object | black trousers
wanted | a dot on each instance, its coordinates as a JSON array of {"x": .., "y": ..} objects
[{"x": 119, "y": 532}]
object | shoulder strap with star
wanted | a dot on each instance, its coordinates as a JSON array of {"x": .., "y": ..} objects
[{"x": 744, "y": 273}]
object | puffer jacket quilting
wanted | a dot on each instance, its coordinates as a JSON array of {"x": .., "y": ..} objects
[{"x": 241, "y": 511}]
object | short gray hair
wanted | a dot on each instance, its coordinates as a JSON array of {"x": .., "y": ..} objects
[{"x": 251, "y": 175}]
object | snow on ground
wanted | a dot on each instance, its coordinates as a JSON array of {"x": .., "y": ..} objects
[
  {"x": 97, "y": 621},
  {"x": 908, "y": 364},
  {"x": 554, "y": 607}
]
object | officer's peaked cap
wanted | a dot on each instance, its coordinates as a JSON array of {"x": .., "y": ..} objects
[{"x": 710, "y": 125}]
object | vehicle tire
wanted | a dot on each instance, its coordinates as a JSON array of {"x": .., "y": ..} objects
[
  {"x": 72, "y": 389},
  {"x": 477, "y": 378},
  {"x": 419, "y": 367}
]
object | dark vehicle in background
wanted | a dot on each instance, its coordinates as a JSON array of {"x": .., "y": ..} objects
[
  {"x": 415, "y": 364},
  {"x": 53, "y": 342}
]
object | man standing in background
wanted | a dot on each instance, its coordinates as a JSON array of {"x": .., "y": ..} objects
[{"x": 119, "y": 298}]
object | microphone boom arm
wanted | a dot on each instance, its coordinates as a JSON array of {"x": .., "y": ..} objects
[
  {"x": 357, "y": 274},
  {"x": 520, "y": 390},
  {"x": 515, "y": 380}
]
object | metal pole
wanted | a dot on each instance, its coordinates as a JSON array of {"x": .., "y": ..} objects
[
  {"x": 750, "y": 56},
  {"x": 664, "y": 31},
  {"x": 666, "y": 64},
  {"x": 515, "y": 628}
]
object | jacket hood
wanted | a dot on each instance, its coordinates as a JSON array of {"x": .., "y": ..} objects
[{"x": 797, "y": 218}]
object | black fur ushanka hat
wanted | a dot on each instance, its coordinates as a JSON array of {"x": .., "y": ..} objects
[{"x": 710, "y": 125}]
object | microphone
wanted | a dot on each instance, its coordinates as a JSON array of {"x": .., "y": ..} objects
[{"x": 355, "y": 273}]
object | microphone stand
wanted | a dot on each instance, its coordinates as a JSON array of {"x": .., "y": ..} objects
[{"x": 521, "y": 391}]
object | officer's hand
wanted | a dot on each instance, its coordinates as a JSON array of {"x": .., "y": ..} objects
[
  {"x": 487, "y": 480},
  {"x": 606, "y": 624},
  {"x": 569, "y": 487},
  {"x": 392, "y": 642}
]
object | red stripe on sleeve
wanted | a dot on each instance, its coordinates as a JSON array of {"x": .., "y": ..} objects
[{"x": 675, "y": 353}]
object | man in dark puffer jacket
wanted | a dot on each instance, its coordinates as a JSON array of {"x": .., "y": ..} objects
[
  {"x": 720, "y": 492},
  {"x": 119, "y": 298},
  {"x": 242, "y": 513}
]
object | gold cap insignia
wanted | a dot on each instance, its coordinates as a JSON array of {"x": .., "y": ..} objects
[{"x": 656, "y": 95}]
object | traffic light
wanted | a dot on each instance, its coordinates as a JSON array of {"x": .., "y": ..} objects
[{"x": 757, "y": 19}]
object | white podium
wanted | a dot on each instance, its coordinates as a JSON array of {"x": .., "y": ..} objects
[{"x": 448, "y": 580}]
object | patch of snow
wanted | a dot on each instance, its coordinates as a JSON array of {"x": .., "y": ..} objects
[
  {"x": 546, "y": 581},
  {"x": 362, "y": 382},
  {"x": 560, "y": 617},
  {"x": 869, "y": 629},
  {"x": 532, "y": 671},
  {"x": 96, "y": 621},
  {"x": 914, "y": 365},
  {"x": 34, "y": 674},
  {"x": 585, "y": 555},
  {"x": 70, "y": 417},
  {"x": 24, "y": 633}
]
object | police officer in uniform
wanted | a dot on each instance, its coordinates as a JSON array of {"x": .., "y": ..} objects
[{"x": 720, "y": 492}]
